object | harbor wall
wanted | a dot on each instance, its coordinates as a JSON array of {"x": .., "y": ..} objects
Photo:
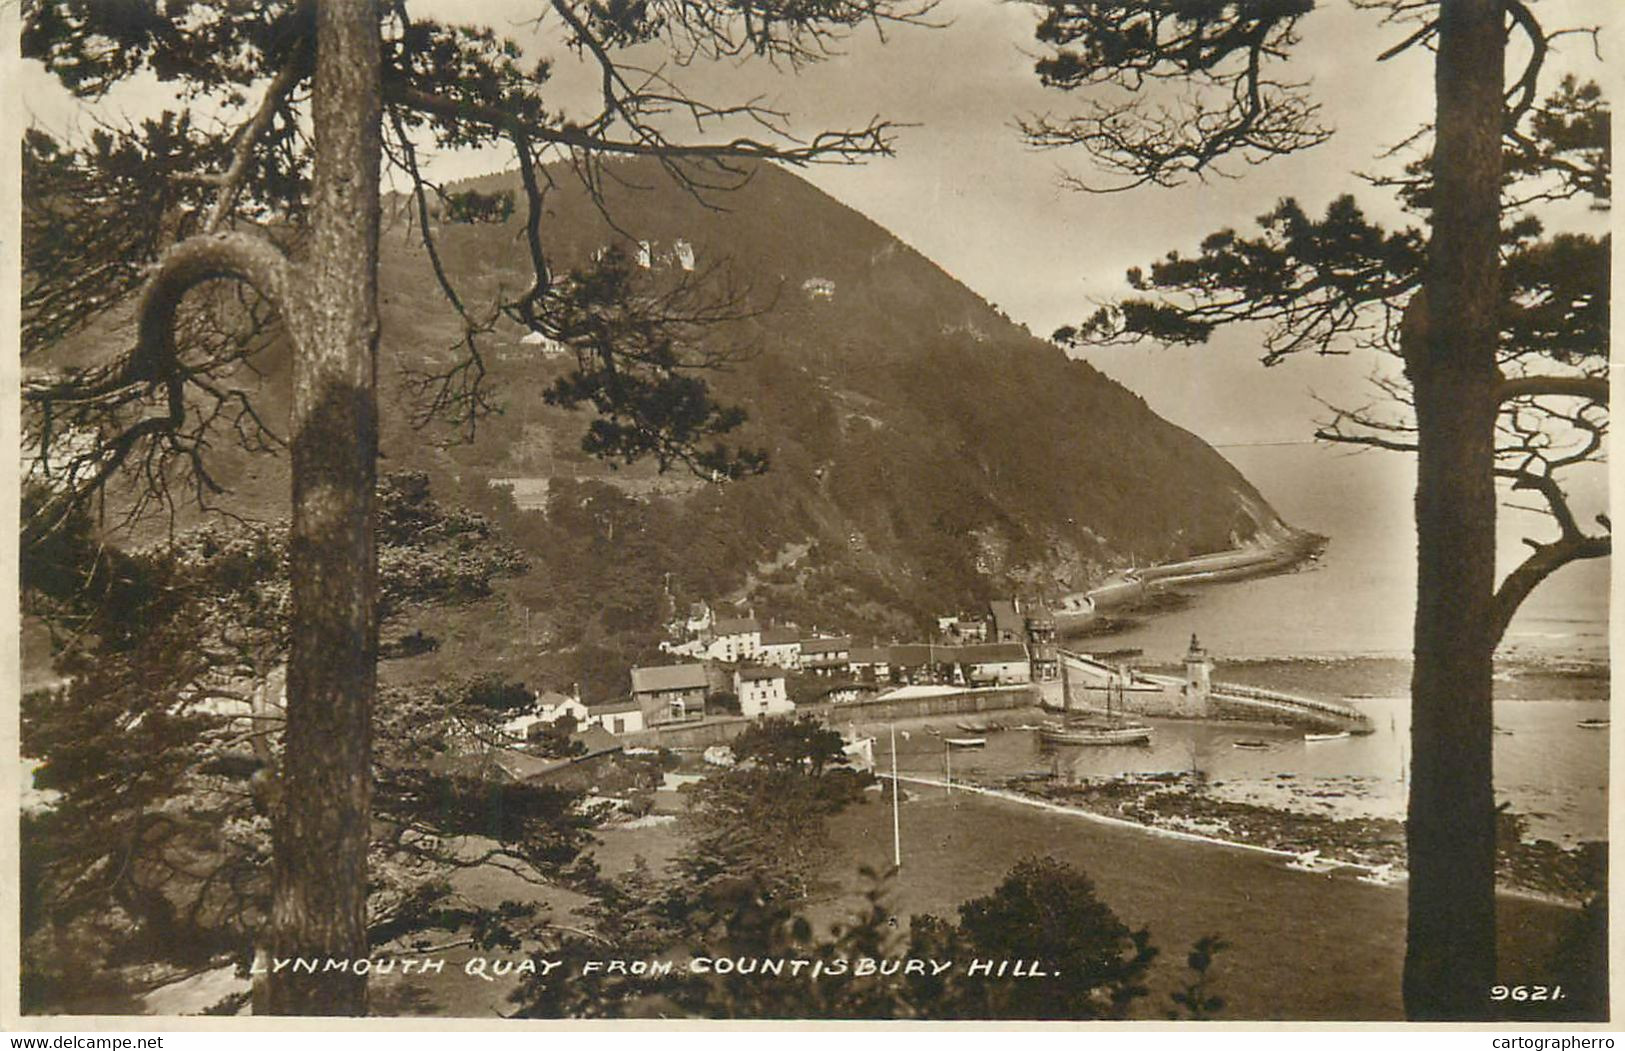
[{"x": 960, "y": 702}]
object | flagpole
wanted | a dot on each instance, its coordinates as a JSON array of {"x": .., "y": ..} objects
[
  {"x": 948, "y": 763},
  {"x": 896, "y": 817}
]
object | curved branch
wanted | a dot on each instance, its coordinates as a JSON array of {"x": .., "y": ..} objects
[
  {"x": 1546, "y": 560},
  {"x": 1593, "y": 388},
  {"x": 244, "y": 256}
]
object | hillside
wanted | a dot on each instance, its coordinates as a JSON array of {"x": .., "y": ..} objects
[
  {"x": 931, "y": 451},
  {"x": 927, "y": 453}
]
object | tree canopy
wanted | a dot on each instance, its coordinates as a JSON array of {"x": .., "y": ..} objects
[{"x": 1499, "y": 327}]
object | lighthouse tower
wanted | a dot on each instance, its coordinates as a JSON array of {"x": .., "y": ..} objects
[{"x": 1198, "y": 679}]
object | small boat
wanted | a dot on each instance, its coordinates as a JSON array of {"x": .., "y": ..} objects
[
  {"x": 1127, "y": 733},
  {"x": 1592, "y": 724},
  {"x": 1338, "y": 736},
  {"x": 1503, "y": 732},
  {"x": 978, "y": 728},
  {"x": 965, "y": 742},
  {"x": 1253, "y": 745}
]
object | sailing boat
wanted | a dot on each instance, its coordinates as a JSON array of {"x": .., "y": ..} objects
[{"x": 1093, "y": 730}]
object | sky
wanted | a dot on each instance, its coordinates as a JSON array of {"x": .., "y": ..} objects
[{"x": 964, "y": 190}]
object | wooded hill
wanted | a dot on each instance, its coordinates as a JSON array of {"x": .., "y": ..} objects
[
  {"x": 931, "y": 451},
  {"x": 926, "y": 453}
]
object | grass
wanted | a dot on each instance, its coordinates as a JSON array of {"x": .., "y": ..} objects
[{"x": 1304, "y": 946}]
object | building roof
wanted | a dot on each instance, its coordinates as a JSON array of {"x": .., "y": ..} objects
[
  {"x": 496, "y": 764},
  {"x": 752, "y": 674},
  {"x": 870, "y": 655},
  {"x": 812, "y": 647},
  {"x": 990, "y": 653},
  {"x": 553, "y": 698},
  {"x": 918, "y": 654},
  {"x": 598, "y": 741},
  {"x": 1005, "y": 618},
  {"x": 698, "y": 609},
  {"x": 669, "y": 677},
  {"x": 614, "y": 707},
  {"x": 735, "y": 626},
  {"x": 780, "y": 636}
]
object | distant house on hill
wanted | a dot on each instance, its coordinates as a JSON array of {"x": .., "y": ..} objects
[
  {"x": 735, "y": 639},
  {"x": 669, "y": 693},
  {"x": 543, "y": 344},
  {"x": 780, "y": 647},
  {"x": 761, "y": 692},
  {"x": 824, "y": 655},
  {"x": 818, "y": 288},
  {"x": 699, "y": 619}
]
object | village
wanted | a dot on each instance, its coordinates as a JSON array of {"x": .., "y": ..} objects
[{"x": 739, "y": 668}]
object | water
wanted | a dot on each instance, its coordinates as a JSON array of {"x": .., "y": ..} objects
[
  {"x": 1546, "y": 766},
  {"x": 1354, "y": 608},
  {"x": 1360, "y": 599}
]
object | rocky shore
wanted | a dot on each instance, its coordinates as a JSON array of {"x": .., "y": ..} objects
[{"x": 1181, "y": 802}]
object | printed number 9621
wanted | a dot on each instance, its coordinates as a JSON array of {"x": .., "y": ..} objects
[{"x": 1529, "y": 993}]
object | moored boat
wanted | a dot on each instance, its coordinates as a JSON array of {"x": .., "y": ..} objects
[
  {"x": 1253, "y": 745},
  {"x": 979, "y": 728},
  {"x": 1127, "y": 733},
  {"x": 1338, "y": 736},
  {"x": 1592, "y": 724},
  {"x": 965, "y": 742}
]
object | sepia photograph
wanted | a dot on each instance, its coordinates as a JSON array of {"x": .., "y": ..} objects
[{"x": 1069, "y": 511}]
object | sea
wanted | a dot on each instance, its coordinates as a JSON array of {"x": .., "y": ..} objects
[
  {"x": 1359, "y": 599},
  {"x": 1341, "y": 630}
]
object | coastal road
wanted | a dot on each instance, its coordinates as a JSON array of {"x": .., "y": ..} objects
[{"x": 1304, "y": 946}]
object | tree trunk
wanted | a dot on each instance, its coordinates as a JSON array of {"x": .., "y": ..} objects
[
  {"x": 320, "y": 835},
  {"x": 1450, "y": 359}
]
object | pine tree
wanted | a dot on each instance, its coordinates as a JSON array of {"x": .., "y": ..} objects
[{"x": 1501, "y": 331}]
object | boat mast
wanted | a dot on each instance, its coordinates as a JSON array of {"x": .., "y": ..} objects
[{"x": 896, "y": 818}]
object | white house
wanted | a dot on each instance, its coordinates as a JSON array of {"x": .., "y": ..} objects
[
  {"x": 1003, "y": 663},
  {"x": 735, "y": 639},
  {"x": 761, "y": 692},
  {"x": 548, "y": 347},
  {"x": 870, "y": 663},
  {"x": 780, "y": 647},
  {"x": 818, "y": 288},
  {"x": 618, "y": 717},
  {"x": 553, "y": 706},
  {"x": 826, "y": 654}
]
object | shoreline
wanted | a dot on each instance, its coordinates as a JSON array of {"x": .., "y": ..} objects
[
  {"x": 1309, "y": 860},
  {"x": 1131, "y": 587}
]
